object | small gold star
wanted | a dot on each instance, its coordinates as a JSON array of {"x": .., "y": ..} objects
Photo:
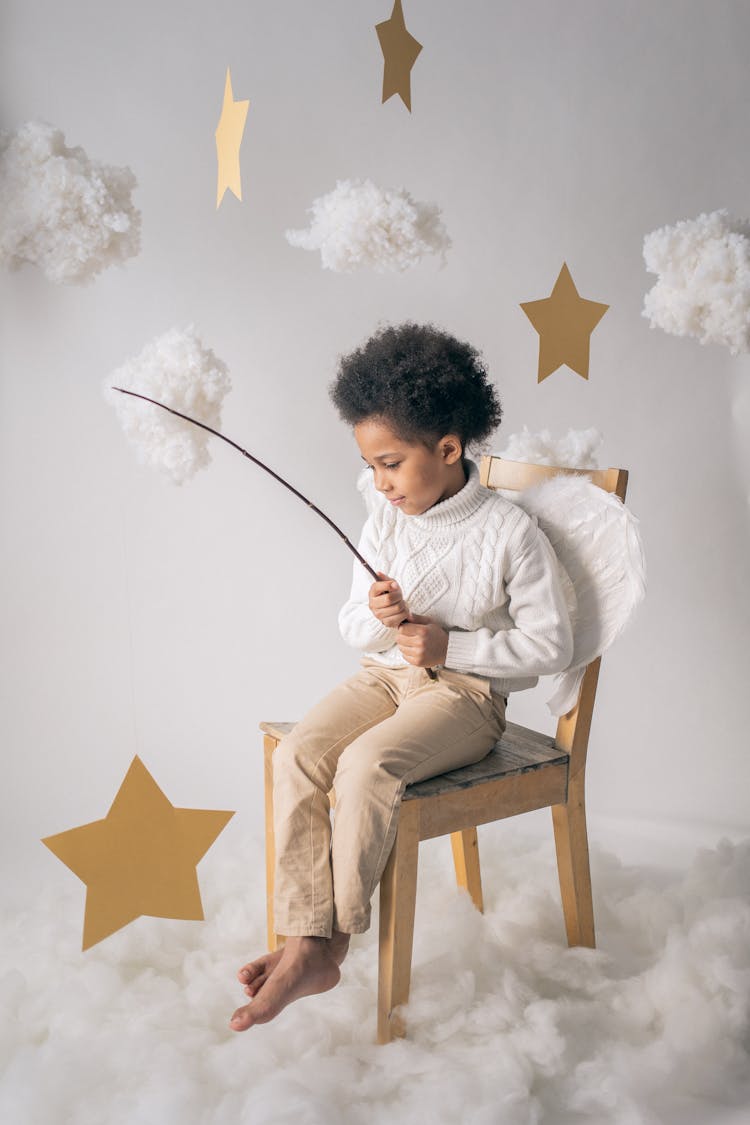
[
  {"x": 140, "y": 859},
  {"x": 564, "y": 322},
  {"x": 228, "y": 140},
  {"x": 400, "y": 50}
]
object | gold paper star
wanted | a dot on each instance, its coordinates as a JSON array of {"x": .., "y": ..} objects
[
  {"x": 564, "y": 322},
  {"x": 400, "y": 50},
  {"x": 228, "y": 140},
  {"x": 140, "y": 859}
]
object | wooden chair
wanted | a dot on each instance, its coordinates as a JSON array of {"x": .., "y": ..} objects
[{"x": 525, "y": 770}]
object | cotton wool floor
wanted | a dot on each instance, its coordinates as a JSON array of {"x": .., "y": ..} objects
[{"x": 506, "y": 1025}]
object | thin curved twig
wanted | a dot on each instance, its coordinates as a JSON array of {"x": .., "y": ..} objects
[{"x": 431, "y": 673}]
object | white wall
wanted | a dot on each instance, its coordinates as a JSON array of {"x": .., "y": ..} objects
[{"x": 142, "y": 618}]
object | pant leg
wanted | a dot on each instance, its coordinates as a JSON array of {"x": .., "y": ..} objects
[
  {"x": 304, "y": 763},
  {"x": 439, "y": 725}
]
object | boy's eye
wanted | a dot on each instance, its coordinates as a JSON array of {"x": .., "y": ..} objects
[{"x": 394, "y": 466}]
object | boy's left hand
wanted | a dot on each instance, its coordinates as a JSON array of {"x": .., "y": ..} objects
[{"x": 422, "y": 641}]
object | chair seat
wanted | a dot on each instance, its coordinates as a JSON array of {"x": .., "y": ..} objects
[{"x": 520, "y": 750}]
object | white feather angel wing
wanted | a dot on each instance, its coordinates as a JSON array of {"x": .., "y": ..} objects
[{"x": 598, "y": 544}]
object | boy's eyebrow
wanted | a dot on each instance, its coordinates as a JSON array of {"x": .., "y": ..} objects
[{"x": 381, "y": 456}]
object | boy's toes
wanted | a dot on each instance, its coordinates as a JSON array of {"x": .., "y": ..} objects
[
  {"x": 247, "y": 972},
  {"x": 241, "y": 1019},
  {"x": 261, "y": 965},
  {"x": 253, "y": 969},
  {"x": 256, "y": 983}
]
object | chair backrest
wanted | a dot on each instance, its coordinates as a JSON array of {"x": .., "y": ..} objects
[{"x": 495, "y": 472}]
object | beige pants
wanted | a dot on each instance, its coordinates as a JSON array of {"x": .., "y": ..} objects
[{"x": 367, "y": 739}]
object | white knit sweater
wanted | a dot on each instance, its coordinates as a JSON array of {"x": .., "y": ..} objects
[{"x": 478, "y": 565}]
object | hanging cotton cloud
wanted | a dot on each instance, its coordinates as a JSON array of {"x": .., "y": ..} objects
[
  {"x": 576, "y": 450},
  {"x": 359, "y": 224},
  {"x": 179, "y": 371},
  {"x": 703, "y": 287},
  {"x": 60, "y": 210}
]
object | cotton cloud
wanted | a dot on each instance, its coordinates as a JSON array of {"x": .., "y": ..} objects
[
  {"x": 178, "y": 370},
  {"x": 505, "y": 1023},
  {"x": 361, "y": 225},
  {"x": 575, "y": 450},
  {"x": 703, "y": 287},
  {"x": 61, "y": 211}
]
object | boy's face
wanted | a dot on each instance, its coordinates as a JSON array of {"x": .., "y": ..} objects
[{"x": 410, "y": 476}]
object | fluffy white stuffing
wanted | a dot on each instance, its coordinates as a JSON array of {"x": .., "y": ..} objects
[
  {"x": 575, "y": 450},
  {"x": 178, "y": 370},
  {"x": 60, "y": 210},
  {"x": 703, "y": 287},
  {"x": 506, "y": 1024},
  {"x": 359, "y": 224}
]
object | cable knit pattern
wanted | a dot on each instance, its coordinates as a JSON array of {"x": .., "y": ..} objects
[
  {"x": 484, "y": 544},
  {"x": 480, "y": 567}
]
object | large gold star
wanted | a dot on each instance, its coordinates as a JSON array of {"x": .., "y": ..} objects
[
  {"x": 140, "y": 859},
  {"x": 400, "y": 50},
  {"x": 228, "y": 140},
  {"x": 564, "y": 322}
]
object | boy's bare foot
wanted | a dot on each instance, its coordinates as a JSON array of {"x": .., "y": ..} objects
[
  {"x": 255, "y": 974},
  {"x": 306, "y": 966}
]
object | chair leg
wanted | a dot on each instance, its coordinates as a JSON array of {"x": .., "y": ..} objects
[
  {"x": 269, "y": 745},
  {"x": 466, "y": 861},
  {"x": 398, "y": 893},
  {"x": 571, "y": 844}
]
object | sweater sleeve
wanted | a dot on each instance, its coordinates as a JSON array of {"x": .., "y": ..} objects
[
  {"x": 357, "y": 623},
  {"x": 540, "y": 641}
]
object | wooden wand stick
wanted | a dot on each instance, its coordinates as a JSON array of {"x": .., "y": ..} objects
[{"x": 430, "y": 671}]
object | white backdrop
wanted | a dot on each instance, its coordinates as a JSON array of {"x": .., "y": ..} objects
[{"x": 138, "y": 617}]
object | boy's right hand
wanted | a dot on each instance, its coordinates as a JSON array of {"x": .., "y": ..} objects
[{"x": 387, "y": 601}]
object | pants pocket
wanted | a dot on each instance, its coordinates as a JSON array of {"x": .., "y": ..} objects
[
  {"x": 468, "y": 680},
  {"x": 495, "y": 700},
  {"x": 483, "y": 684}
]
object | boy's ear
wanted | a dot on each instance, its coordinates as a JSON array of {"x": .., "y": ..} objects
[{"x": 452, "y": 448}]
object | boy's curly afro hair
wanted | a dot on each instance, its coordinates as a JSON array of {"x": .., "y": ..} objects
[{"x": 422, "y": 382}]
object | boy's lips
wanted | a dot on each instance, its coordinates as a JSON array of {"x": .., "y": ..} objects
[{"x": 397, "y": 500}]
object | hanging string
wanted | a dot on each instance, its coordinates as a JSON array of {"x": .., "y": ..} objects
[{"x": 128, "y": 611}]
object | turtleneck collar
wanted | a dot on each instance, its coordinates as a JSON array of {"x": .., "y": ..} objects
[
  {"x": 456, "y": 508},
  {"x": 444, "y": 514}
]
